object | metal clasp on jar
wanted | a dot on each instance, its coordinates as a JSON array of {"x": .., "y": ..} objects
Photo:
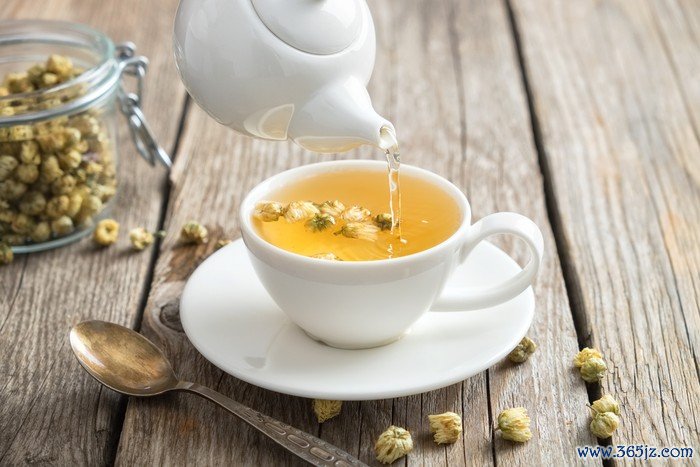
[{"x": 130, "y": 105}]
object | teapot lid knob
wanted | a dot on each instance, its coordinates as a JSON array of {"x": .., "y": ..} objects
[{"x": 321, "y": 27}]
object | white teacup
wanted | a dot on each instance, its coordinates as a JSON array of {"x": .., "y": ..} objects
[{"x": 376, "y": 302}]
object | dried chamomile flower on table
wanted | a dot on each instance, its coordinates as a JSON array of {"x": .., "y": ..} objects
[
  {"x": 514, "y": 425},
  {"x": 320, "y": 222},
  {"x": 6, "y": 255},
  {"x": 222, "y": 243},
  {"x": 334, "y": 208},
  {"x": 591, "y": 365},
  {"x": 523, "y": 350},
  {"x": 359, "y": 230},
  {"x": 268, "y": 211},
  {"x": 325, "y": 409},
  {"x": 394, "y": 443},
  {"x": 607, "y": 403},
  {"x": 300, "y": 211},
  {"x": 327, "y": 256},
  {"x": 584, "y": 355},
  {"x": 194, "y": 232},
  {"x": 355, "y": 214},
  {"x": 140, "y": 238},
  {"x": 604, "y": 424},
  {"x": 446, "y": 427},
  {"x": 593, "y": 370},
  {"x": 106, "y": 232}
]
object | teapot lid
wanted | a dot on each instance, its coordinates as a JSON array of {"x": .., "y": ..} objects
[{"x": 320, "y": 27}]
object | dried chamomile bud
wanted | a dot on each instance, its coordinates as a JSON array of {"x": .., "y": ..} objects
[
  {"x": 593, "y": 370},
  {"x": 584, "y": 355},
  {"x": 70, "y": 159},
  {"x": 604, "y": 424},
  {"x": 23, "y": 224},
  {"x": 320, "y": 222},
  {"x": 522, "y": 351},
  {"x": 7, "y": 166},
  {"x": 76, "y": 201},
  {"x": 394, "y": 443},
  {"x": 106, "y": 232},
  {"x": 515, "y": 425},
  {"x": 12, "y": 189},
  {"x": 50, "y": 170},
  {"x": 360, "y": 230},
  {"x": 20, "y": 133},
  {"x": 300, "y": 211},
  {"x": 62, "y": 226},
  {"x": 355, "y": 214},
  {"x": 334, "y": 208},
  {"x": 59, "y": 65},
  {"x": 446, "y": 427},
  {"x": 63, "y": 185},
  {"x": 140, "y": 238},
  {"x": 222, "y": 243},
  {"x": 327, "y": 256},
  {"x": 90, "y": 206},
  {"x": 27, "y": 173},
  {"x": 607, "y": 403},
  {"x": 57, "y": 206},
  {"x": 384, "y": 221},
  {"x": 41, "y": 232},
  {"x": 32, "y": 203},
  {"x": 325, "y": 409},
  {"x": 194, "y": 232},
  {"x": 6, "y": 255},
  {"x": 268, "y": 211}
]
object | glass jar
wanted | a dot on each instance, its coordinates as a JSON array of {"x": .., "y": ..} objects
[{"x": 60, "y": 90}]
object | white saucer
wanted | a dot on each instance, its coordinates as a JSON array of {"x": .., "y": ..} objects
[{"x": 231, "y": 320}]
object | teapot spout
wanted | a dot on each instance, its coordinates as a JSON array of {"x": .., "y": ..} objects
[{"x": 340, "y": 117}]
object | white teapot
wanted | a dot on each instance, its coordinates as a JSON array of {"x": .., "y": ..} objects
[{"x": 283, "y": 69}]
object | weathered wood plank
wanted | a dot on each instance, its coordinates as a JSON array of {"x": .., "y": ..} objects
[
  {"x": 447, "y": 75},
  {"x": 51, "y": 410},
  {"x": 614, "y": 96}
]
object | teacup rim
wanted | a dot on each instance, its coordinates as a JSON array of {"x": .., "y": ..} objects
[{"x": 248, "y": 203}]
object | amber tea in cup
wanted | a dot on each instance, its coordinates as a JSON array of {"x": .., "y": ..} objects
[{"x": 344, "y": 215}]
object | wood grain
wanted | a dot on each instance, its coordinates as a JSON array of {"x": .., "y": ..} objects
[
  {"x": 51, "y": 411},
  {"x": 615, "y": 92},
  {"x": 448, "y": 76}
]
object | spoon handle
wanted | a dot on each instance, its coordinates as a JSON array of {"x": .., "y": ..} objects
[{"x": 310, "y": 448}]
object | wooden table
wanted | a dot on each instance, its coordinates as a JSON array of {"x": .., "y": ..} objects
[{"x": 583, "y": 115}]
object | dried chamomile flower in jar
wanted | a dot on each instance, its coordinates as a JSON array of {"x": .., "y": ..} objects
[
  {"x": 325, "y": 409},
  {"x": 384, "y": 221},
  {"x": 6, "y": 255},
  {"x": 607, "y": 403},
  {"x": 326, "y": 256},
  {"x": 584, "y": 355},
  {"x": 62, "y": 226},
  {"x": 604, "y": 424},
  {"x": 593, "y": 370},
  {"x": 394, "y": 443},
  {"x": 514, "y": 425},
  {"x": 319, "y": 222},
  {"x": 41, "y": 232},
  {"x": 140, "y": 238},
  {"x": 300, "y": 211},
  {"x": 106, "y": 232},
  {"x": 522, "y": 351},
  {"x": 7, "y": 165},
  {"x": 359, "y": 230},
  {"x": 355, "y": 214},
  {"x": 268, "y": 211},
  {"x": 334, "y": 208},
  {"x": 446, "y": 427},
  {"x": 194, "y": 232}
]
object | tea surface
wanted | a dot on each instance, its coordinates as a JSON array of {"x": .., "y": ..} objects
[{"x": 429, "y": 216}]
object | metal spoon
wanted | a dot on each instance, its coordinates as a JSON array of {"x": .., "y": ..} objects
[{"x": 127, "y": 362}]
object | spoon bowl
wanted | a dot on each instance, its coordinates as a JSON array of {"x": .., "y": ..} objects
[
  {"x": 127, "y": 362},
  {"x": 122, "y": 359}
]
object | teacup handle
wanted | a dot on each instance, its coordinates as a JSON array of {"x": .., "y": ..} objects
[{"x": 458, "y": 299}]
